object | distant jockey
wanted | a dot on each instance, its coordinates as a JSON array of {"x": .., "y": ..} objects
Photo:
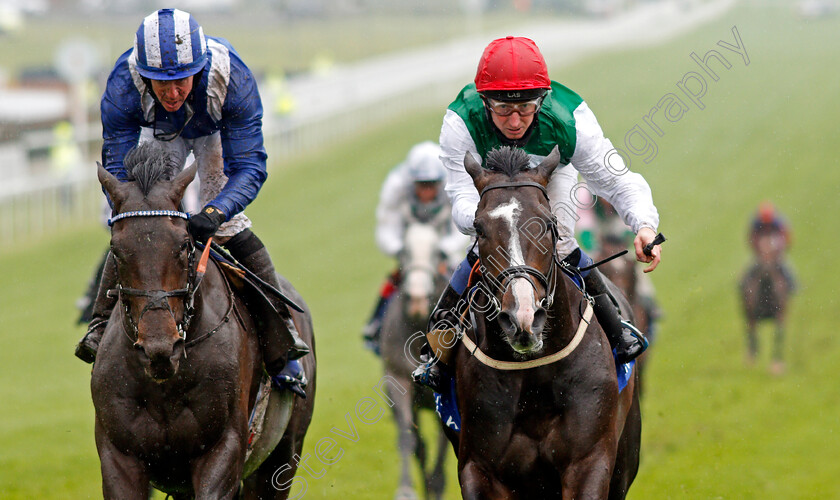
[{"x": 412, "y": 192}]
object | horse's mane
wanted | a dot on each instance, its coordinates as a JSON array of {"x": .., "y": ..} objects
[
  {"x": 149, "y": 162},
  {"x": 508, "y": 160}
]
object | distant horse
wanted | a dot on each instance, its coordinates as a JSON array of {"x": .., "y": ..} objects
[
  {"x": 541, "y": 412},
  {"x": 179, "y": 367},
  {"x": 423, "y": 280},
  {"x": 765, "y": 291}
]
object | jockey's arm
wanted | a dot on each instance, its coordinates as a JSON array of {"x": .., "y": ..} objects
[
  {"x": 455, "y": 141},
  {"x": 120, "y": 130},
  {"x": 242, "y": 144},
  {"x": 628, "y": 192},
  {"x": 389, "y": 212}
]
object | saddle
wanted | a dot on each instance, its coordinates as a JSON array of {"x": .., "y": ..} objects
[{"x": 257, "y": 296}]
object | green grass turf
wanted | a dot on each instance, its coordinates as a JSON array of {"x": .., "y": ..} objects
[{"x": 712, "y": 428}]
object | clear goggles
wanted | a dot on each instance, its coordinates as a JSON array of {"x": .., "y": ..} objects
[{"x": 526, "y": 108}]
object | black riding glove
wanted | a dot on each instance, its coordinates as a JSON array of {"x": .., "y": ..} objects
[{"x": 204, "y": 224}]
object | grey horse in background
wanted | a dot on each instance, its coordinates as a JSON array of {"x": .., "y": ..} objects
[{"x": 424, "y": 276}]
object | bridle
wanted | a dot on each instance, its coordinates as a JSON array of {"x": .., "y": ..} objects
[
  {"x": 548, "y": 280},
  {"x": 159, "y": 299}
]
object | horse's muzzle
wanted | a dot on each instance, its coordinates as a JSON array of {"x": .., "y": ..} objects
[
  {"x": 524, "y": 338},
  {"x": 160, "y": 359}
]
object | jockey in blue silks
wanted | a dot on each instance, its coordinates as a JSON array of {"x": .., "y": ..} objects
[{"x": 193, "y": 93}]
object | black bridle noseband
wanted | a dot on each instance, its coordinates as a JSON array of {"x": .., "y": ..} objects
[{"x": 547, "y": 280}]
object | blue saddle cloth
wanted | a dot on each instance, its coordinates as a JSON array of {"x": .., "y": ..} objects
[{"x": 446, "y": 405}]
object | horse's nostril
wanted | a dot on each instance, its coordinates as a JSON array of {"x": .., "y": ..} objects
[
  {"x": 540, "y": 316},
  {"x": 506, "y": 322}
]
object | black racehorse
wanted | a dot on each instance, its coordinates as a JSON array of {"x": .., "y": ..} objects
[
  {"x": 541, "y": 412},
  {"x": 179, "y": 368}
]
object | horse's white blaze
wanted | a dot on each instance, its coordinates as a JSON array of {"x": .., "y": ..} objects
[
  {"x": 421, "y": 241},
  {"x": 523, "y": 292}
]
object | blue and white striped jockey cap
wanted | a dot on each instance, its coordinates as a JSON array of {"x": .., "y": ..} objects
[{"x": 169, "y": 45}]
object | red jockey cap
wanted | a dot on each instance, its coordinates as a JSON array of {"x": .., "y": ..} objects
[
  {"x": 766, "y": 212},
  {"x": 512, "y": 63}
]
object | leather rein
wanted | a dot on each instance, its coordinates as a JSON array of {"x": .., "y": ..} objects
[{"x": 159, "y": 299}]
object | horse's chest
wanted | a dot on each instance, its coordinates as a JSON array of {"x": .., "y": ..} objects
[{"x": 156, "y": 424}]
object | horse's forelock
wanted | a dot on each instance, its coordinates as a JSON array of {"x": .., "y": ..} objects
[
  {"x": 507, "y": 160},
  {"x": 148, "y": 163}
]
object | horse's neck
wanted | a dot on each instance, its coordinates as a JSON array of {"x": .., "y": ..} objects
[{"x": 564, "y": 317}]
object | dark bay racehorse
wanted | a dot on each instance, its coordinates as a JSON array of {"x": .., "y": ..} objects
[
  {"x": 179, "y": 366},
  {"x": 423, "y": 279},
  {"x": 765, "y": 291},
  {"x": 541, "y": 413}
]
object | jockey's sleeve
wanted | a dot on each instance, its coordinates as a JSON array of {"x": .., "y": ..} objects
[
  {"x": 606, "y": 174},
  {"x": 389, "y": 212},
  {"x": 120, "y": 129},
  {"x": 242, "y": 142},
  {"x": 455, "y": 141}
]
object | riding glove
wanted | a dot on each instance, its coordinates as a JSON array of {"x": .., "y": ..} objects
[{"x": 205, "y": 224}]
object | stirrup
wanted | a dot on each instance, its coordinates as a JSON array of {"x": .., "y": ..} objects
[
  {"x": 635, "y": 332},
  {"x": 292, "y": 378},
  {"x": 430, "y": 374},
  {"x": 627, "y": 352}
]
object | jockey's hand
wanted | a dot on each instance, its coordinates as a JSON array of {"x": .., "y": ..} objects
[
  {"x": 205, "y": 224},
  {"x": 645, "y": 236}
]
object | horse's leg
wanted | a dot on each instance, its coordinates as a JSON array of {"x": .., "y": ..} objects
[
  {"x": 476, "y": 484},
  {"x": 750, "y": 292},
  {"x": 407, "y": 440},
  {"x": 627, "y": 458},
  {"x": 589, "y": 478},
  {"x": 216, "y": 473},
  {"x": 123, "y": 477},
  {"x": 436, "y": 481}
]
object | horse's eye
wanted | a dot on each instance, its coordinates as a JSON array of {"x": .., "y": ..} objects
[
  {"x": 185, "y": 246},
  {"x": 479, "y": 231}
]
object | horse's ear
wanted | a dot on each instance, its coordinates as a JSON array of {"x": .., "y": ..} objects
[
  {"x": 181, "y": 181},
  {"x": 547, "y": 166},
  {"x": 475, "y": 169},
  {"x": 112, "y": 185}
]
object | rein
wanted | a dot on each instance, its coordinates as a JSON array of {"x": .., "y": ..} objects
[{"x": 159, "y": 299}]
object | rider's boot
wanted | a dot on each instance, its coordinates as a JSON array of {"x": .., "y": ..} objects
[
  {"x": 103, "y": 304},
  {"x": 436, "y": 354},
  {"x": 372, "y": 331},
  {"x": 246, "y": 248},
  {"x": 626, "y": 339}
]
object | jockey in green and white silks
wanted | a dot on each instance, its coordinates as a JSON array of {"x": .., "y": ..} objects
[
  {"x": 512, "y": 102},
  {"x": 564, "y": 120}
]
